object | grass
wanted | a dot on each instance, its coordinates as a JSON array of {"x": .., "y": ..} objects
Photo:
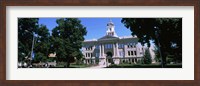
[
  {"x": 125, "y": 65},
  {"x": 72, "y": 65},
  {"x": 144, "y": 66}
]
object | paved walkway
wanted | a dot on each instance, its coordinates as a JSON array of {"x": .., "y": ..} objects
[{"x": 99, "y": 66}]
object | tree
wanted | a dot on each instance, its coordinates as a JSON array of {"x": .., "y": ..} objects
[
  {"x": 79, "y": 57},
  {"x": 147, "y": 57},
  {"x": 168, "y": 31},
  {"x": 157, "y": 55},
  {"x": 26, "y": 28},
  {"x": 67, "y": 39},
  {"x": 42, "y": 44},
  {"x": 39, "y": 57}
]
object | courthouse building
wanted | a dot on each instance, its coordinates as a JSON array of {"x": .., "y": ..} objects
[{"x": 111, "y": 49}]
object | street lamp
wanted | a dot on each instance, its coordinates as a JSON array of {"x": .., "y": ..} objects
[
  {"x": 156, "y": 34},
  {"x": 31, "y": 47}
]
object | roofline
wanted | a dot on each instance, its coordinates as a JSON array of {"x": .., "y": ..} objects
[{"x": 123, "y": 37}]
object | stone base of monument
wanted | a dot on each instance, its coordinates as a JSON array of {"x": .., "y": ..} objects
[{"x": 102, "y": 62}]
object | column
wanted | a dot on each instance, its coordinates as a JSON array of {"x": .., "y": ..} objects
[
  {"x": 106, "y": 62},
  {"x": 131, "y": 60},
  {"x": 114, "y": 50},
  {"x": 93, "y": 47},
  {"x": 137, "y": 54},
  {"x": 103, "y": 50},
  {"x": 84, "y": 52},
  {"x": 125, "y": 50},
  {"x": 135, "y": 60},
  {"x": 117, "y": 50},
  {"x": 143, "y": 50},
  {"x": 84, "y": 62},
  {"x": 94, "y": 61},
  {"x": 100, "y": 50}
]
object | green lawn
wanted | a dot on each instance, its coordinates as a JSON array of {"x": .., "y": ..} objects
[
  {"x": 72, "y": 65},
  {"x": 144, "y": 66}
]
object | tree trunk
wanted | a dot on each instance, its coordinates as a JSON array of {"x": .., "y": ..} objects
[
  {"x": 163, "y": 57},
  {"x": 68, "y": 64}
]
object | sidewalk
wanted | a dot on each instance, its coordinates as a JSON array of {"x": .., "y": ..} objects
[{"x": 99, "y": 66}]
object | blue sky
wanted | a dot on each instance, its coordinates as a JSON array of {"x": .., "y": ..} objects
[{"x": 96, "y": 27}]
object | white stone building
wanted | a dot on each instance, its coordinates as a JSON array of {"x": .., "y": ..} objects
[{"x": 111, "y": 49}]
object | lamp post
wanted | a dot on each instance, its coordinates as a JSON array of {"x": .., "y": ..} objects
[
  {"x": 31, "y": 47},
  {"x": 156, "y": 34}
]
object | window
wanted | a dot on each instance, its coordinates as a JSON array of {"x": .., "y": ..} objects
[
  {"x": 88, "y": 48},
  {"x": 97, "y": 54},
  {"x": 121, "y": 53},
  {"x": 135, "y": 60},
  {"x": 140, "y": 53},
  {"x": 128, "y": 53},
  {"x": 135, "y": 52},
  {"x": 121, "y": 45},
  {"x": 85, "y": 54},
  {"x": 132, "y": 53},
  {"x": 108, "y": 46},
  {"x": 97, "y": 46}
]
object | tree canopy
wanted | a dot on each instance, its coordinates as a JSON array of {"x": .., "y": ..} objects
[
  {"x": 168, "y": 31},
  {"x": 67, "y": 39},
  {"x": 42, "y": 44}
]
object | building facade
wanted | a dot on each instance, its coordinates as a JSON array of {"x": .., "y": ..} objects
[{"x": 111, "y": 49}]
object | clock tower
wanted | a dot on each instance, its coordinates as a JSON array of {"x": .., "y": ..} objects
[{"x": 111, "y": 29}]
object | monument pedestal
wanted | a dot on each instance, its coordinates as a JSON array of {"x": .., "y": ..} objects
[{"x": 102, "y": 61}]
